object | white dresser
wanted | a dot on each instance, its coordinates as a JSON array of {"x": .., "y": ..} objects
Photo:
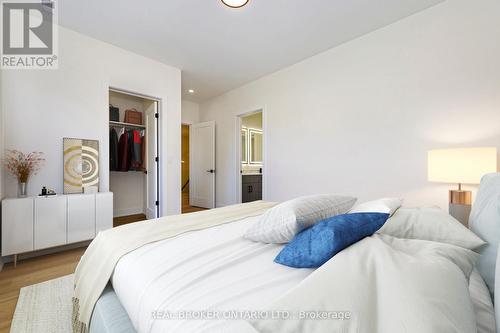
[{"x": 30, "y": 224}]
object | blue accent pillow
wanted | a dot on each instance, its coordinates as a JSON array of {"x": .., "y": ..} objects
[{"x": 314, "y": 246}]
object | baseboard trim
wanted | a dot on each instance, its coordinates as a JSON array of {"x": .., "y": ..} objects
[{"x": 128, "y": 212}]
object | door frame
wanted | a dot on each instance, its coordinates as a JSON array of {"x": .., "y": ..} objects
[
  {"x": 159, "y": 175},
  {"x": 186, "y": 123},
  {"x": 237, "y": 154}
]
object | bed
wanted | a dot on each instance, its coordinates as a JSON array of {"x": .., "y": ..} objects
[{"x": 216, "y": 268}]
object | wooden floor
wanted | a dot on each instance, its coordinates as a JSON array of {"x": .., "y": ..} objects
[
  {"x": 186, "y": 208},
  {"x": 40, "y": 269},
  {"x": 48, "y": 267},
  {"x": 28, "y": 272},
  {"x": 118, "y": 221}
]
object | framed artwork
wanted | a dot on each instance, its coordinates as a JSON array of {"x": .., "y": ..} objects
[{"x": 81, "y": 164}]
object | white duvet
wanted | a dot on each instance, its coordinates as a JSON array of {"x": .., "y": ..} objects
[
  {"x": 209, "y": 269},
  {"x": 386, "y": 284}
]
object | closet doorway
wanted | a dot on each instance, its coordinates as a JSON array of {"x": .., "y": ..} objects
[{"x": 133, "y": 151}]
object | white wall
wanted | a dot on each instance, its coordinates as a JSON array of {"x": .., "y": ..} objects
[
  {"x": 359, "y": 119},
  {"x": 190, "y": 112},
  {"x": 43, "y": 106}
]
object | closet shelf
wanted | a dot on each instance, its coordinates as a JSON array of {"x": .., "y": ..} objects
[{"x": 118, "y": 123}]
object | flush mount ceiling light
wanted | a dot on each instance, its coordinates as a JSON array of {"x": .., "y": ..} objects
[
  {"x": 191, "y": 91},
  {"x": 235, "y": 3}
]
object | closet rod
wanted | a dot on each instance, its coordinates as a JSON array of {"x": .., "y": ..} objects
[{"x": 120, "y": 124}]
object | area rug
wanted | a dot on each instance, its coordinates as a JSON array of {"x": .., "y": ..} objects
[{"x": 44, "y": 307}]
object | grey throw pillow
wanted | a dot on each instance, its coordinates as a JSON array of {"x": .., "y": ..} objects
[{"x": 281, "y": 223}]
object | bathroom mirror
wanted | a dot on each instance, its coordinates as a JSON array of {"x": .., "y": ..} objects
[
  {"x": 244, "y": 145},
  {"x": 256, "y": 143}
]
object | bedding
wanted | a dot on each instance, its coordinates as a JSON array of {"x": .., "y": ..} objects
[
  {"x": 485, "y": 221},
  {"x": 281, "y": 223},
  {"x": 400, "y": 285},
  {"x": 384, "y": 205},
  {"x": 430, "y": 223},
  {"x": 98, "y": 262},
  {"x": 212, "y": 272},
  {"x": 110, "y": 317},
  {"x": 312, "y": 247},
  {"x": 214, "y": 269},
  {"x": 217, "y": 269},
  {"x": 481, "y": 301}
]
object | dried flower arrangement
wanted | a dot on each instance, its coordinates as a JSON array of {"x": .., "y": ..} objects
[{"x": 23, "y": 166}]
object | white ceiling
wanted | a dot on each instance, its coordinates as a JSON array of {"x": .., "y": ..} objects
[{"x": 218, "y": 48}]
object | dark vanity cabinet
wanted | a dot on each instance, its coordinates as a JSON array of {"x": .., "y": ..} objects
[{"x": 251, "y": 188}]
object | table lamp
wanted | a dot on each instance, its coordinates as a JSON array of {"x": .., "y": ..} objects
[{"x": 461, "y": 166}]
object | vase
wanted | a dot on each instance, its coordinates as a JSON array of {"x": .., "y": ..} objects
[{"x": 22, "y": 190}]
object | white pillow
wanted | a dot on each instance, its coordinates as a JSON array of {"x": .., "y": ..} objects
[
  {"x": 385, "y": 205},
  {"x": 430, "y": 223},
  {"x": 281, "y": 223}
]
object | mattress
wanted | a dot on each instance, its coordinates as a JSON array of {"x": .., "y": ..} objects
[
  {"x": 109, "y": 316},
  {"x": 212, "y": 269}
]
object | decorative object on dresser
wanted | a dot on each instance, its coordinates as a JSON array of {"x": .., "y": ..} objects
[
  {"x": 461, "y": 166},
  {"x": 37, "y": 223},
  {"x": 81, "y": 164},
  {"x": 45, "y": 192},
  {"x": 23, "y": 166}
]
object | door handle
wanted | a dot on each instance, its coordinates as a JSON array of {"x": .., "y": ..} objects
[{"x": 211, "y": 171}]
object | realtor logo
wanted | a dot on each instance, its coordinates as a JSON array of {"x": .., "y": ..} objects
[{"x": 29, "y": 35}]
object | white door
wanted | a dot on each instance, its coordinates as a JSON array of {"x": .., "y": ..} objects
[
  {"x": 202, "y": 165},
  {"x": 152, "y": 163}
]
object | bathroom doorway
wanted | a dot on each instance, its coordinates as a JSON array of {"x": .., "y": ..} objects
[{"x": 251, "y": 156}]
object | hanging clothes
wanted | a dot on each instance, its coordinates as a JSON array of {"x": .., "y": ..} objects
[
  {"x": 113, "y": 150},
  {"x": 123, "y": 152},
  {"x": 135, "y": 150}
]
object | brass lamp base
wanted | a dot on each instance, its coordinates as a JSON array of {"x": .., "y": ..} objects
[
  {"x": 460, "y": 205},
  {"x": 459, "y": 197}
]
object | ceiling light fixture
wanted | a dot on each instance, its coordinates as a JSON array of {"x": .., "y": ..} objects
[
  {"x": 191, "y": 91},
  {"x": 235, "y": 3}
]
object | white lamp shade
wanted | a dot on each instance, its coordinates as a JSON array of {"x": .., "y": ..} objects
[{"x": 461, "y": 166}]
